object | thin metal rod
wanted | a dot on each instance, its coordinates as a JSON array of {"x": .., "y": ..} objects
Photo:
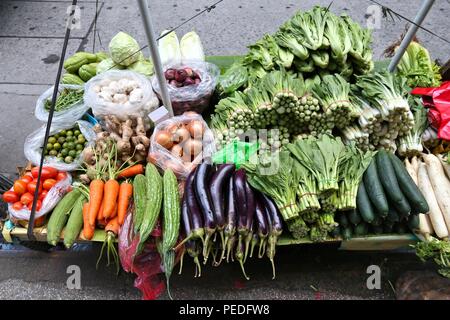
[
  {"x": 148, "y": 27},
  {"x": 420, "y": 17}
]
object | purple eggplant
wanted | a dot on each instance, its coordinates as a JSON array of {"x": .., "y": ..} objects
[
  {"x": 230, "y": 228},
  {"x": 254, "y": 243},
  {"x": 251, "y": 208},
  {"x": 219, "y": 182},
  {"x": 262, "y": 224},
  {"x": 240, "y": 198},
  {"x": 204, "y": 199},
  {"x": 276, "y": 228}
]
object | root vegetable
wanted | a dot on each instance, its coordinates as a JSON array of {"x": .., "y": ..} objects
[
  {"x": 177, "y": 150},
  {"x": 192, "y": 147},
  {"x": 196, "y": 129},
  {"x": 181, "y": 134},
  {"x": 164, "y": 139}
]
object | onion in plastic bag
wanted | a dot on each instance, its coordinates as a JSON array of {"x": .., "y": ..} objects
[{"x": 35, "y": 141}]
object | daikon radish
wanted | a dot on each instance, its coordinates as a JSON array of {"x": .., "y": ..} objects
[
  {"x": 412, "y": 172},
  {"x": 436, "y": 188},
  {"x": 445, "y": 165}
]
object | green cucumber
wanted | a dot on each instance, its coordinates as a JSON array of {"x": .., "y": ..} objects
[
  {"x": 393, "y": 215},
  {"x": 347, "y": 233},
  {"x": 361, "y": 229},
  {"x": 378, "y": 221},
  {"x": 374, "y": 189},
  {"x": 400, "y": 228},
  {"x": 343, "y": 221},
  {"x": 377, "y": 229},
  {"x": 354, "y": 217},
  {"x": 364, "y": 205},
  {"x": 413, "y": 222},
  {"x": 408, "y": 186},
  {"x": 389, "y": 181},
  {"x": 388, "y": 227}
]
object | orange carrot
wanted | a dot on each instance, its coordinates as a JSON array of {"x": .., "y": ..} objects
[
  {"x": 111, "y": 192},
  {"x": 95, "y": 200},
  {"x": 114, "y": 214},
  {"x": 100, "y": 211},
  {"x": 113, "y": 226},
  {"x": 88, "y": 231},
  {"x": 125, "y": 194},
  {"x": 131, "y": 171}
]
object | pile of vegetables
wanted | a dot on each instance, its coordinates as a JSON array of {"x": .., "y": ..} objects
[
  {"x": 66, "y": 145},
  {"x": 314, "y": 42},
  {"x": 182, "y": 77},
  {"x": 388, "y": 201},
  {"x": 173, "y": 51},
  {"x": 122, "y": 92},
  {"x": 130, "y": 139},
  {"x": 66, "y": 99},
  {"x": 223, "y": 216}
]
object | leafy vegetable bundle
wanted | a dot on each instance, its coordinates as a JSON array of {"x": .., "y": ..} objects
[{"x": 310, "y": 43}]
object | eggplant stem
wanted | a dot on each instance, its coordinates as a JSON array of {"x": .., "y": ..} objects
[
  {"x": 198, "y": 267},
  {"x": 248, "y": 239},
  {"x": 252, "y": 248},
  {"x": 222, "y": 238},
  {"x": 208, "y": 251},
  {"x": 243, "y": 270},
  {"x": 183, "y": 242},
  {"x": 273, "y": 268},
  {"x": 205, "y": 246},
  {"x": 181, "y": 261},
  {"x": 262, "y": 248}
]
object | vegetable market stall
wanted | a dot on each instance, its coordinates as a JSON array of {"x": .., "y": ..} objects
[{"x": 340, "y": 159}]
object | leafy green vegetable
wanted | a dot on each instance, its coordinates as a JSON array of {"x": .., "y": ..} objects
[
  {"x": 144, "y": 67},
  {"x": 436, "y": 250},
  {"x": 411, "y": 143}
]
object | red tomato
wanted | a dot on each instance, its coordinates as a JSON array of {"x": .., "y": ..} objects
[
  {"x": 20, "y": 187},
  {"x": 43, "y": 195},
  {"x": 17, "y": 205},
  {"x": 26, "y": 178},
  {"x": 26, "y": 198},
  {"x": 47, "y": 172},
  {"x": 49, "y": 183},
  {"x": 10, "y": 197},
  {"x": 39, "y": 222},
  {"x": 38, "y": 205},
  {"x": 32, "y": 186},
  {"x": 61, "y": 176}
]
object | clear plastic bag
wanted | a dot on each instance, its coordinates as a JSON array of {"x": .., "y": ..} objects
[
  {"x": 54, "y": 195},
  {"x": 143, "y": 102},
  {"x": 194, "y": 97},
  {"x": 34, "y": 143},
  {"x": 72, "y": 114},
  {"x": 163, "y": 158}
]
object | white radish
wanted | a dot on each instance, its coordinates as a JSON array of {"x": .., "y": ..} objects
[
  {"x": 445, "y": 165},
  {"x": 413, "y": 173},
  {"x": 436, "y": 189}
]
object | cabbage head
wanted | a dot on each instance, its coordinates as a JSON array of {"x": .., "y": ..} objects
[
  {"x": 124, "y": 49},
  {"x": 144, "y": 67}
]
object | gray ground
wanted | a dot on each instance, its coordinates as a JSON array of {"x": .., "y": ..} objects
[{"x": 31, "y": 35}]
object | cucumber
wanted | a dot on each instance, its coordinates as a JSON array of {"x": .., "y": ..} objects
[
  {"x": 413, "y": 222},
  {"x": 388, "y": 227},
  {"x": 364, "y": 205},
  {"x": 75, "y": 223},
  {"x": 388, "y": 179},
  {"x": 378, "y": 221},
  {"x": 354, "y": 217},
  {"x": 361, "y": 229},
  {"x": 408, "y": 187},
  {"x": 377, "y": 229},
  {"x": 343, "y": 221},
  {"x": 393, "y": 215},
  {"x": 374, "y": 189},
  {"x": 59, "y": 216},
  {"x": 347, "y": 233},
  {"x": 400, "y": 228}
]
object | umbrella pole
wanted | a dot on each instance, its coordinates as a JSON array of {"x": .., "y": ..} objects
[
  {"x": 148, "y": 27},
  {"x": 420, "y": 17}
]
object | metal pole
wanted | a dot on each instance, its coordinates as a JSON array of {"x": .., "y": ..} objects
[
  {"x": 420, "y": 17},
  {"x": 148, "y": 27}
]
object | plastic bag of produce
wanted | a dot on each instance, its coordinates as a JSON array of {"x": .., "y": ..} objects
[
  {"x": 52, "y": 198},
  {"x": 190, "y": 85},
  {"x": 146, "y": 266},
  {"x": 121, "y": 93},
  {"x": 34, "y": 143},
  {"x": 181, "y": 143},
  {"x": 71, "y": 113}
]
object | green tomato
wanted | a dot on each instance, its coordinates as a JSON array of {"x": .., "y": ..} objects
[
  {"x": 53, "y": 153},
  {"x": 79, "y": 152},
  {"x": 76, "y": 132},
  {"x": 61, "y": 140},
  {"x": 64, "y": 152},
  {"x": 62, "y": 132},
  {"x": 56, "y": 136},
  {"x": 69, "y": 133},
  {"x": 52, "y": 140},
  {"x": 68, "y": 159},
  {"x": 71, "y": 145},
  {"x": 57, "y": 146},
  {"x": 65, "y": 145},
  {"x": 79, "y": 147},
  {"x": 49, "y": 146},
  {"x": 72, "y": 153}
]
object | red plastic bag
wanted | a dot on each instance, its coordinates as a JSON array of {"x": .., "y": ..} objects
[
  {"x": 438, "y": 102},
  {"x": 146, "y": 266}
]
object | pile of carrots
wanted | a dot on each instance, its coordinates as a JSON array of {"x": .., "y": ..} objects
[{"x": 108, "y": 202}]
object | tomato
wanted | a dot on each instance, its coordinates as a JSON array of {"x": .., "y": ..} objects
[
  {"x": 39, "y": 222},
  {"x": 61, "y": 176},
  {"x": 17, "y": 205},
  {"x": 48, "y": 184},
  {"x": 20, "y": 187},
  {"x": 47, "y": 172},
  {"x": 43, "y": 195},
  {"x": 26, "y": 198},
  {"x": 26, "y": 178},
  {"x": 32, "y": 186},
  {"x": 38, "y": 205},
  {"x": 10, "y": 197}
]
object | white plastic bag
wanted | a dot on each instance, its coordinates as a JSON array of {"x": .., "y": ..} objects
[
  {"x": 54, "y": 195},
  {"x": 164, "y": 159},
  {"x": 102, "y": 104},
  {"x": 195, "y": 97},
  {"x": 71, "y": 114},
  {"x": 35, "y": 141}
]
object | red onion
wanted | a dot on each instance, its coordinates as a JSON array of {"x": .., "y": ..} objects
[
  {"x": 180, "y": 75},
  {"x": 170, "y": 74}
]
